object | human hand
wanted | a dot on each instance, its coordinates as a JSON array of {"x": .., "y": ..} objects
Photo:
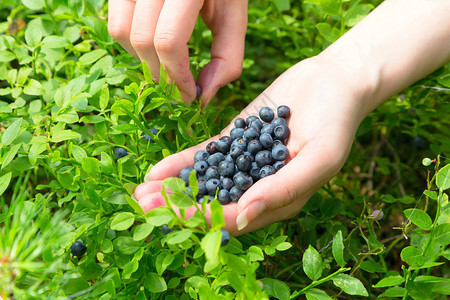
[
  {"x": 325, "y": 112},
  {"x": 158, "y": 31}
]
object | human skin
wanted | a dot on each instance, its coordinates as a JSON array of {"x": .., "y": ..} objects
[
  {"x": 329, "y": 95},
  {"x": 157, "y": 31}
]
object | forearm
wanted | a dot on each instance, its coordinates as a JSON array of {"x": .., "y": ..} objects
[{"x": 398, "y": 43}]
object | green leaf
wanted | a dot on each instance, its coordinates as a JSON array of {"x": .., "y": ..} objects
[
  {"x": 338, "y": 249},
  {"x": 255, "y": 253},
  {"x": 147, "y": 73},
  {"x": 6, "y": 56},
  {"x": 315, "y": 294},
  {"x": 331, "y": 34},
  {"x": 34, "y": 88},
  {"x": 276, "y": 288},
  {"x": 441, "y": 235},
  {"x": 283, "y": 246},
  {"x": 10, "y": 134},
  {"x": 92, "y": 119},
  {"x": 104, "y": 97},
  {"x": 126, "y": 245},
  {"x": 34, "y": 4},
  {"x": 443, "y": 178},
  {"x": 419, "y": 218},
  {"x": 350, "y": 285},
  {"x": 92, "y": 56},
  {"x": 312, "y": 263},
  {"x": 179, "y": 236},
  {"x": 135, "y": 205},
  {"x": 142, "y": 231},
  {"x": 356, "y": 14},
  {"x": 4, "y": 182},
  {"x": 371, "y": 266},
  {"x": 64, "y": 135},
  {"x": 33, "y": 36},
  {"x": 9, "y": 156},
  {"x": 412, "y": 256},
  {"x": 211, "y": 245},
  {"x": 90, "y": 165},
  {"x": 78, "y": 153},
  {"x": 393, "y": 292},
  {"x": 217, "y": 219},
  {"x": 283, "y": 5},
  {"x": 55, "y": 42},
  {"x": 181, "y": 200},
  {"x": 331, "y": 7},
  {"x": 159, "y": 216},
  {"x": 155, "y": 283},
  {"x": 174, "y": 184},
  {"x": 122, "y": 221},
  {"x": 390, "y": 281}
]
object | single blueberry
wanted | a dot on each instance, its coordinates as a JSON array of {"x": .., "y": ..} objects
[
  {"x": 215, "y": 159},
  {"x": 154, "y": 131},
  {"x": 268, "y": 129},
  {"x": 223, "y": 144},
  {"x": 211, "y": 173},
  {"x": 211, "y": 148},
  {"x": 254, "y": 146},
  {"x": 165, "y": 229},
  {"x": 256, "y": 123},
  {"x": 283, "y": 111},
  {"x": 251, "y": 133},
  {"x": 223, "y": 196},
  {"x": 252, "y": 157},
  {"x": 266, "y": 140},
  {"x": 280, "y": 152},
  {"x": 225, "y": 237},
  {"x": 239, "y": 123},
  {"x": 250, "y": 119},
  {"x": 120, "y": 152},
  {"x": 201, "y": 155},
  {"x": 263, "y": 158},
  {"x": 184, "y": 174},
  {"x": 235, "y": 194},
  {"x": 278, "y": 165},
  {"x": 254, "y": 171},
  {"x": 212, "y": 185},
  {"x": 227, "y": 183},
  {"x": 418, "y": 142},
  {"x": 266, "y": 171},
  {"x": 201, "y": 183},
  {"x": 244, "y": 163},
  {"x": 276, "y": 143},
  {"x": 237, "y": 133},
  {"x": 278, "y": 121},
  {"x": 199, "y": 91},
  {"x": 229, "y": 158},
  {"x": 78, "y": 249},
  {"x": 201, "y": 167},
  {"x": 243, "y": 181},
  {"x": 235, "y": 151},
  {"x": 266, "y": 114},
  {"x": 226, "y": 168},
  {"x": 281, "y": 132},
  {"x": 240, "y": 143}
]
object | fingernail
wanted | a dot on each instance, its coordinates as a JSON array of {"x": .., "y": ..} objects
[
  {"x": 133, "y": 197},
  {"x": 199, "y": 91},
  {"x": 147, "y": 178},
  {"x": 249, "y": 214}
]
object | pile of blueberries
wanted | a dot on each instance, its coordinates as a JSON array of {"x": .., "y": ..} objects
[{"x": 255, "y": 149}]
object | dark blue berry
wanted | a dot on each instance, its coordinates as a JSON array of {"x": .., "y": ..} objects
[
  {"x": 281, "y": 132},
  {"x": 212, "y": 185},
  {"x": 244, "y": 163},
  {"x": 266, "y": 140},
  {"x": 215, "y": 159},
  {"x": 280, "y": 152},
  {"x": 226, "y": 168},
  {"x": 278, "y": 165},
  {"x": 239, "y": 143},
  {"x": 252, "y": 157},
  {"x": 225, "y": 237},
  {"x": 212, "y": 172},
  {"x": 165, "y": 229},
  {"x": 227, "y": 183},
  {"x": 276, "y": 143},
  {"x": 268, "y": 129},
  {"x": 418, "y": 142},
  {"x": 251, "y": 133},
  {"x": 266, "y": 114},
  {"x": 243, "y": 181},
  {"x": 237, "y": 133},
  {"x": 239, "y": 123},
  {"x": 223, "y": 144},
  {"x": 120, "y": 152},
  {"x": 263, "y": 158},
  {"x": 211, "y": 148},
  {"x": 201, "y": 167},
  {"x": 235, "y": 151},
  {"x": 235, "y": 194},
  {"x": 201, "y": 183},
  {"x": 250, "y": 119},
  {"x": 184, "y": 174},
  {"x": 254, "y": 171},
  {"x": 283, "y": 111},
  {"x": 223, "y": 196},
  {"x": 199, "y": 91},
  {"x": 278, "y": 121},
  {"x": 154, "y": 131},
  {"x": 254, "y": 146},
  {"x": 201, "y": 155},
  {"x": 78, "y": 249},
  {"x": 256, "y": 123},
  {"x": 266, "y": 171},
  {"x": 229, "y": 158}
]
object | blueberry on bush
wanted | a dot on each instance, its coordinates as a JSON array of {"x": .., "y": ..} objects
[
  {"x": 165, "y": 229},
  {"x": 120, "y": 152},
  {"x": 78, "y": 249},
  {"x": 225, "y": 238},
  {"x": 154, "y": 131}
]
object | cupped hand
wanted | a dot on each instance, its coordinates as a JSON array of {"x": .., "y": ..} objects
[
  {"x": 326, "y": 109},
  {"x": 157, "y": 32}
]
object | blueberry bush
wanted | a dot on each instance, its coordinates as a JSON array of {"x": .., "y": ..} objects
[{"x": 70, "y": 97}]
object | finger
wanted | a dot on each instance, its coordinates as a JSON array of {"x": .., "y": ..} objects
[
  {"x": 147, "y": 188},
  {"x": 305, "y": 173},
  {"x": 120, "y": 16},
  {"x": 146, "y": 14},
  {"x": 173, "y": 31},
  {"x": 228, "y": 26}
]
